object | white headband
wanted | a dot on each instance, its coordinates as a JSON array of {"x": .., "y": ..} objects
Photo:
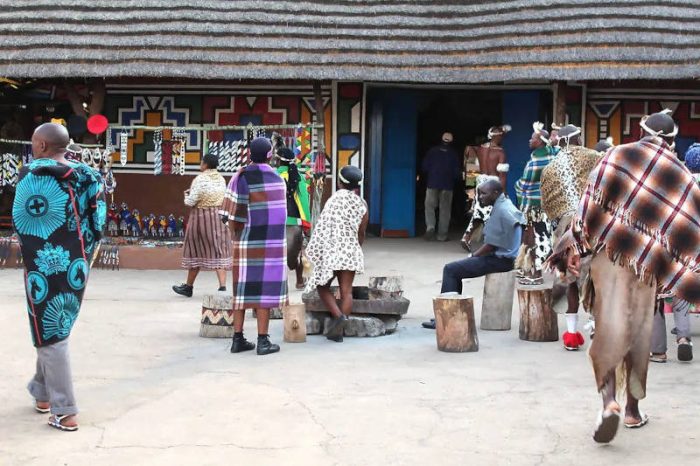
[
  {"x": 498, "y": 130},
  {"x": 643, "y": 124},
  {"x": 539, "y": 127}
]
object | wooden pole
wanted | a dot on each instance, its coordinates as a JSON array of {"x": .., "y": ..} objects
[
  {"x": 320, "y": 118},
  {"x": 560, "y": 103},
  {"x": 455, "y": 328}
]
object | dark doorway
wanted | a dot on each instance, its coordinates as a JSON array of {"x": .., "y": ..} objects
[{"x": 467, "y": 115}]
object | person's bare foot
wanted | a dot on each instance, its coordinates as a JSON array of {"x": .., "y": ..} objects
[
  {"x": 42, "y": 406},
  {"x": 608, "y": 422},
  {"x": 634, "y": 418}
]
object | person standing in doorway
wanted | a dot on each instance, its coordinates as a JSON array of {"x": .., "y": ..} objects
[
  {"x": 256, "y": 207},
  {"x": 207, "y": 241},
  {"x": 441, "y": 168},
  {"x": 59, "y": 213}
]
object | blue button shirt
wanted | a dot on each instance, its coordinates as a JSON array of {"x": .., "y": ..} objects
[{"x": 512, "y": 253}]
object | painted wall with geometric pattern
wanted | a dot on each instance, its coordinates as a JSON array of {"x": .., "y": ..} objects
[
  {"x": 196, "y": 105},
  {"x": 348, "y": 124},
  {"x": 617, "y": 112}
]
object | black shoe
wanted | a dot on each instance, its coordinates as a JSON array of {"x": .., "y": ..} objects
[
  {"x": 685, "y": 352},
  {"x": 430, "y": 324},
  {"x": 221, "y": 288},
  {"x": 184, "y": 290},
  {"x": 334, "y": 332},
  {"x": 429, "y": 235},
  {"x": 240, "y": 344},
  {"x": 265, "y": 346}
]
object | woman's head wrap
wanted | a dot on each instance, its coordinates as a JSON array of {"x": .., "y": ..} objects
[
  {"x": 260, "y": 150},
  {"x": 350, "y": 176},
  {"x": 211, "y": 161},
  {"x": 692, "y": 158}
]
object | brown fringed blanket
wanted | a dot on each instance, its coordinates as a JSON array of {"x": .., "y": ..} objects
[{"x": 642, "y": 206}]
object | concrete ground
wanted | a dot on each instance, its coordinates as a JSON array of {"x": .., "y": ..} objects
[{"x": 152, "y": 392}]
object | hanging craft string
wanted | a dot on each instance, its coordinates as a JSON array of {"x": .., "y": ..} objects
[
  {"x": 205, "y": 128},
  {"x": 29, "y": 143}
]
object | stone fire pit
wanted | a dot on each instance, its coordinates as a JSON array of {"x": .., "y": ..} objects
[{"x": 377, "y": 309}]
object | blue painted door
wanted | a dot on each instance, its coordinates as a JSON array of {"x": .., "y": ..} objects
[
  {"x": 398, "y": 174},
  {"x": 520, "y": 109}
]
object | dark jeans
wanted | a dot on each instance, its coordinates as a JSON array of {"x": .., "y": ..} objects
[{"x": 454, "y": 272}]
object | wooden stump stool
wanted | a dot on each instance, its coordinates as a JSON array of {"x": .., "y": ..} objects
[
  {"x": 497, "y": 305},
  {"x": 538, "y": 321},
  {"x": 217, "y": 316},
  {"x": 455, "y": 328},
  {"x": 294, "y": 323}
]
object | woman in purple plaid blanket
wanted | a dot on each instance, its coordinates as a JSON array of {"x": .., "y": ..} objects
[
  {"x": 256, "y": 205},
  {"x": 335, "y": 249}
]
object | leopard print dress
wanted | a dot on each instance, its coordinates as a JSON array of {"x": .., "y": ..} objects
[{"x": 334, "y": 244}]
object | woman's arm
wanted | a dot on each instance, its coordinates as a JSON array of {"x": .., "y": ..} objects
[
  {"x": 192, "y": 196},
  {"x": 362, "y": 230}
]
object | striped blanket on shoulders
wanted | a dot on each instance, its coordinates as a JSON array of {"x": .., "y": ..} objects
[{"x": 642, "y": 207}]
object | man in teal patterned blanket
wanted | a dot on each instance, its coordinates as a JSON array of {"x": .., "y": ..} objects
[{"x": 58, "y": 213}]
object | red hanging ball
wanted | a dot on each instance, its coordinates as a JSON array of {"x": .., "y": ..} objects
[{"x": 97, "y": 124}]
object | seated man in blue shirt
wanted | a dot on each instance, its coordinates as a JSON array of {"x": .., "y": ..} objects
[{"x": 502, "y": 235}]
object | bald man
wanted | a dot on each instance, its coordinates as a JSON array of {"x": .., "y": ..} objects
[
  {"x": 502, "y": 235},
  {"x": 59, "y": 214}
]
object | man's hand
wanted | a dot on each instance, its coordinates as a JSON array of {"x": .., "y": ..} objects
[
  {"x": 466, "y": 242},
  {"x": 573, "y": 262}
]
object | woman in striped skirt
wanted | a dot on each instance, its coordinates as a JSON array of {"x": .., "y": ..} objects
[{"x": 207, "y": 239}]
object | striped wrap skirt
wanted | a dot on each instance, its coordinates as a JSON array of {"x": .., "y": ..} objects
[{"x": 207, "y": 241}]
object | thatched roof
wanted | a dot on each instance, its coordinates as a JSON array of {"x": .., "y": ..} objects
[{"x": 412, "y": 41}]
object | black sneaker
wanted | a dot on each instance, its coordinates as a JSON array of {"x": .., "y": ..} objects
[
  {"x": 184, "y": 290},
  {"x": 265, "y": 346},
  {"x": 240, "y": 344},
  {"x": 429, "y": 324},
  {"x": 221, "y": 288}
]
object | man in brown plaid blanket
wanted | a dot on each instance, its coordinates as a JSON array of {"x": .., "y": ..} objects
[{"x": 639, "y": 218}]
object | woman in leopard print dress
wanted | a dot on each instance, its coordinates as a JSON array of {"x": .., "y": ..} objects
[{"x": 335, "y": 249}]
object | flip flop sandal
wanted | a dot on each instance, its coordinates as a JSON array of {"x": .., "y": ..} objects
[
  {"x": 637, "y": 425},
  {"x": 41, "y": 410},
  {"x": 660, "y": 358},
  {"x": 685, "y": 352},
  {"x": 55, "y": 422},
  {"x": 607, "y": 425}
]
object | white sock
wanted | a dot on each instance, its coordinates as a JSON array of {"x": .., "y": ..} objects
[{"x": 571, "y": 321}]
